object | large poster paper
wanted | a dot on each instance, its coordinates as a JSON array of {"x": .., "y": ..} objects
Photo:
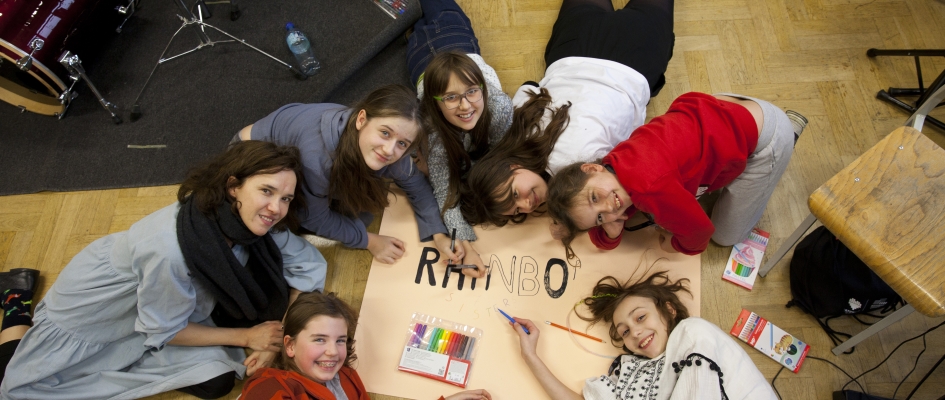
[{"x": 530, "y": 278}]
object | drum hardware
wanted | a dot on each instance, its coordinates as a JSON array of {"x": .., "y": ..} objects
[
  {"x": 26, "y": 62},
  {"x": 127, "y": 11},
  {"x": 66, "y": 97},
  {"x": 188, "y": 19},
  {"x": 201, "y": 7},
  {"x": 202, "y": 10},
  {"x": 74, "y": 65}
]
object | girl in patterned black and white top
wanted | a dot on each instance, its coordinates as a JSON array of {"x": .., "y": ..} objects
[{"x": 671, "y": 355}]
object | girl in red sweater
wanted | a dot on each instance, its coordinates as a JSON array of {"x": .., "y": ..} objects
[
  {"x": 316, "y": 357},
  {"x": 703, "y": 143}
]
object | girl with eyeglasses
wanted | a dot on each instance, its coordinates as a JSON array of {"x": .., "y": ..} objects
[
  {"x": 466, "y": 112},
  {"x": 603, "y": 68},
  {"x": 351, "y": 155}
]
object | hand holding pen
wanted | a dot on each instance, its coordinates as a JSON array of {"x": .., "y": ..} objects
[
  {"x": 446, "y": 245},
  {"x": 472, "y": 266},
  {"x": 527, "y": 336}
]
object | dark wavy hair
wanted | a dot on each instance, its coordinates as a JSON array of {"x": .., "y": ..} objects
[
  {"x": 305, "y": 308},
  {"x": 488, "y": 194},
  {"x": 436, "y": 80},
  {"x": 610, "y": 292},
  {"x": 208, "y": 183},
  {"x": 353, "y": 186},
  {"x": 563, "y": 190}
]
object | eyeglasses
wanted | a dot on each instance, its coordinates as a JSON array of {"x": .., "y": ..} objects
[{"x": 452, "y": 100}]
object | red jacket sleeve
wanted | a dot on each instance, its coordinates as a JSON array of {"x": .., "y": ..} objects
[{"x": 677, "y": 210}]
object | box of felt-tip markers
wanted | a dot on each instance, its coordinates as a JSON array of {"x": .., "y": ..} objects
[{"x": 439, "y": 349}]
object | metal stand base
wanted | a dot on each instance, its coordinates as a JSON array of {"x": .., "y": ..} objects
[
  {"x": 189, "y": 19},
  {"x": 74, "y": 65},
  {"x": 891, "y": 96},
  {"x": 786, "y": 246},
  {"x": 874, "y": 329}
]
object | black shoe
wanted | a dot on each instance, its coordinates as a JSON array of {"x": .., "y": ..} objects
[{"x": 19, "y": 278}]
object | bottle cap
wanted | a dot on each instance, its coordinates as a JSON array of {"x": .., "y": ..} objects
[{"x": 289, "y": 26}]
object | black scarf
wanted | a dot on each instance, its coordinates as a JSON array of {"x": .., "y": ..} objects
[{"x": 246, "y": 296}]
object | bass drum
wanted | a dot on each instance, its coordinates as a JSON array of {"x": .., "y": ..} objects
[{"x": 60, "y": 25}]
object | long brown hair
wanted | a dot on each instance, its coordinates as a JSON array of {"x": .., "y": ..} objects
[
  {"x": 563, "y": 190},
  {"x": 436, "y": 81},
  {"x": 305, "y": 308},
  {"x": 488, "y": 193},
  {"x": 610, "y": 292},
  {"x": 208, "y": 184},
  {"x": 352, "y": 186}
]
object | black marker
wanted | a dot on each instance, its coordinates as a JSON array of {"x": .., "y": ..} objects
[{"x": 452, "y": 245}]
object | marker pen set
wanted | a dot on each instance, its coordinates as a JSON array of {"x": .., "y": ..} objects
[
  {"x": 442, "y": 341},
  {"x": 440, "y": 349}
]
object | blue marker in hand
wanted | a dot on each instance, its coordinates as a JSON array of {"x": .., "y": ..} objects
[{"x": 512, "y": 320}]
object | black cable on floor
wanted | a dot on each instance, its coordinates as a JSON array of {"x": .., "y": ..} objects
[
  {"x": 913, "y": 367},
  {"x": 891, "y": 353},
  {"x": 852, "y": 379},
  {"x": 772, "y": 383},
  {"x": 927, "y": 375}
]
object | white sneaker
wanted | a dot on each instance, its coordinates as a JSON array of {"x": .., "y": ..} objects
[{"x": 798, "y": 121}]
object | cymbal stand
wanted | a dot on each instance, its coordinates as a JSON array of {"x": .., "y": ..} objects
[{"x": 189, "y": 19}]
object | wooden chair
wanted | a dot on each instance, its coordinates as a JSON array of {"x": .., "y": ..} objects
[{"x": 888, "y": 207}]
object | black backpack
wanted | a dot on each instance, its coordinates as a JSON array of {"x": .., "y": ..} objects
[{"x": 829, "y": 281}]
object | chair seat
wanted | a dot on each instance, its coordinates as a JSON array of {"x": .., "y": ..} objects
[{"x": 888, "y": 207}]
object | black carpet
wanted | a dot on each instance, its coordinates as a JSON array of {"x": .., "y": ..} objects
[{"x": 195, "y": 104}]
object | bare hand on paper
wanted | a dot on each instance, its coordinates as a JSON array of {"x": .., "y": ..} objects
[
  {"x": 666, "y": 240},
  {"x": 385, "y": 249},
  {"x": 528, "y": 341},
  {"x": 477, "y": 394},
  {"x": 443, "y": 244},
  {"x": 266, "y": 336}
]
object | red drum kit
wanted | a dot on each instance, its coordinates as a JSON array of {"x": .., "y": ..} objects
[
  {"x": 40, "y": 42},
  {"x": 38, "y": 69}
]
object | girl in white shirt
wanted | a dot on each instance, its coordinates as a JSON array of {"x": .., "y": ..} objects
[{"x": 603, "y": 67}]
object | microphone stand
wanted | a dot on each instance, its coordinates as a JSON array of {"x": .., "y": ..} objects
[{"x": 189, "y": 19}]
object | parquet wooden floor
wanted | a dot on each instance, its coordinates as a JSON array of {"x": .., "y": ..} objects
[{"x": 805, "y": 55}]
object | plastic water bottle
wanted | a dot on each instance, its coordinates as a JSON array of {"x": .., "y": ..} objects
[{"x": 302, "y": 49}]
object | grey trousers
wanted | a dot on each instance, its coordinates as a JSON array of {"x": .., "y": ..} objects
[{"x": 742, "y": 202}]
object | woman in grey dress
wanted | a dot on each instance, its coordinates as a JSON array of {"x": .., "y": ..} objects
[{"x": 171, "y": 303}]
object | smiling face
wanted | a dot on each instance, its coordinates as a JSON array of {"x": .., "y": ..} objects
[
  {"x": 319, "y": 350},
  {"x": 602, "y": 200},
  {"x": 529, "y": 191},
  {"x": 384, "y": 140},
  {"x": 263, "y": 200},
  {"x": 642, "y": 327},
  {"x": 466, "y": 114}
]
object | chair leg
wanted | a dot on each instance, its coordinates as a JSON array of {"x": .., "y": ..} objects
[
  {"x": 786, "y": 246},
  {"x": 874, "y": 329}
]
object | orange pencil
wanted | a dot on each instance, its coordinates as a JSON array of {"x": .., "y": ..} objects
[{"x": 573, "y": 331}]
